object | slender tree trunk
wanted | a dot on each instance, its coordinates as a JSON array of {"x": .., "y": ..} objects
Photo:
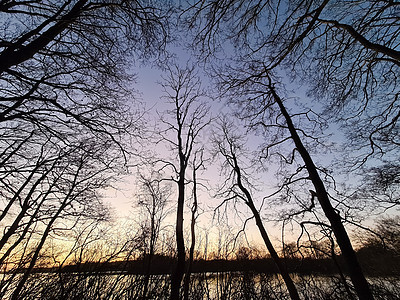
[
  {"x": 357, "y": 277},
  {"x": 148, "y": 263},
  {"x": 193, "y": 235},
  {"x": 25, "y": 206},
  {"x": 19, "y": 192},
  {"x": 23, "y": 234},
  {"x": 191, "y": 256},
  {"x": 186, "y": 92},
  {"x": 17, "y": 291},
  {"x": 281, "y": 267}
]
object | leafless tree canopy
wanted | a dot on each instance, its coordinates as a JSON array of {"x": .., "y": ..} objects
[
  {"x": 346, "y": 53},
  {"x": 66, "y": 114},
  {"x": 298, "y": 82}
]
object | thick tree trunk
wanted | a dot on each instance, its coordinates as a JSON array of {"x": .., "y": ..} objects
[
  {"x": 177, "y": 276},
  {"x": 19, "y": 53},
  {"x": 357, "y": 277}
]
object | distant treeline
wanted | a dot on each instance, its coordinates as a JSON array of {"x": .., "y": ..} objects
[{"x": 375, "y": 260}]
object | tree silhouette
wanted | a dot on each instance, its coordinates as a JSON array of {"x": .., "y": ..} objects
[
  {"x": 153, "y": 199},
  {"x": 229, "y": 145},
  {"x": 338, "y": 49},
  {"x": 184, "y": 123},
  {"x": 63, "y": 89}
]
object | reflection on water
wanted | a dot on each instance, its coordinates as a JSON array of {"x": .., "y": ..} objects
[{"x": 227, "y": 285}]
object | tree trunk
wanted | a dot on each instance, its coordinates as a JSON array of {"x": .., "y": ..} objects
[
  {"x": 281, "y": 267},
  {"x": 17, "y": 291},
  {"x": 19, "y": 53},
  {"x": 177, "y": 276},
  {"x": 357, "y": 277},
  {"x": 193, "y": 241}
]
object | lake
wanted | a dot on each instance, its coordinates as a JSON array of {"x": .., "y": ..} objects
[{"x": 219, "y": 285}]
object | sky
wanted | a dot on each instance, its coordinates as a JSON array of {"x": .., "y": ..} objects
[
  {"x": 150, "y": 92},
  {"x": 122, "y": 198}
]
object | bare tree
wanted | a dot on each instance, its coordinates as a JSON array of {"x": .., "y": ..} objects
[
  {"x": 356, "y": 274},
  {"x": 228, "y": 145},
  {"x": 67, "y": 193},
  {"x": 345, "y": 54},
  {"x": 70, "y": 58},
  {"x": 380, "y": 186},
  {"x": 63, "y": 89},
  {"x": 197, "y": 164},
  {"x": 185, "y": 122},
  {"x": 153, "y": 198},
  {"x": 339, "y": 50},
  {"x": 265, "y": 110}
]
